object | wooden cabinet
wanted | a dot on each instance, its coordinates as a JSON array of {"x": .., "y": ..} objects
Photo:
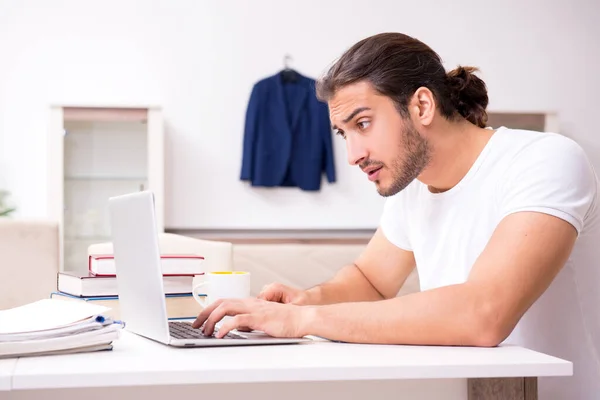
[
  {"x": 95, "y": 153},
  {"x": 535, "y": 121}
]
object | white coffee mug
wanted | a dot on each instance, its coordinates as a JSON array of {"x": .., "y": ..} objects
[{"x": 222, "y": 285}]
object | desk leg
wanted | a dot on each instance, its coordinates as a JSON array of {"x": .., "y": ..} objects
[{"x": 503, "y": 388}]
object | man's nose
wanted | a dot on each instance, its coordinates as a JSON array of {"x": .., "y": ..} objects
[{"x": 356, "y": 150}]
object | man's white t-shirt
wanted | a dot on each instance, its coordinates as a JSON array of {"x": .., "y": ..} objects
[{"x": 518, "y": 170}]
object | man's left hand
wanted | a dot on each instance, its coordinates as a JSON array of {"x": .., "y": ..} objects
[{"x": 275, "y": 319}]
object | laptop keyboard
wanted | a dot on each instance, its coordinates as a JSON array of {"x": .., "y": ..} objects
[{"x": 184, "y": 330}]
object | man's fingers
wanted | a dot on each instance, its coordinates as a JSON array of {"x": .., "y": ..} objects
[
  {"x": 239, "y": 321},
  {"x": 230, "y": 308},
  {"x": 263, "y": 295},
  {"x": 266, "y": 292},
  {"x": 244, "y": 329},
  {"x": 271, "y": 292},
  {"x": 204, "y": 314}
]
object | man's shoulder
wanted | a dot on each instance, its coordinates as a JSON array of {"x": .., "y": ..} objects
[
  {"x": 524, "y": 156},
  {"x": 530, "y": 146},
  {"x": 540, "y": 155},
  {"x": 548, "y": 172}
]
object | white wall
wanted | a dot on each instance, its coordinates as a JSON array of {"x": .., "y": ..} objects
[{"x": 200, "y": 59}]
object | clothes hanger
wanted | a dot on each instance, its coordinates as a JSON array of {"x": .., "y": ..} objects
[{"x": 288, "y": 74}]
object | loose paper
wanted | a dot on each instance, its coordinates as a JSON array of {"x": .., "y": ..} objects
[{"x": 46, "y": 314}]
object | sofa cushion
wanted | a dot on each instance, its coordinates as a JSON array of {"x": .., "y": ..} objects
[{"x": 29, "y": 261}]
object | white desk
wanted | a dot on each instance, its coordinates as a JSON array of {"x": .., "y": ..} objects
[
  {"x": 7, "y": 368},
  {"x": 137, "y": 362}
]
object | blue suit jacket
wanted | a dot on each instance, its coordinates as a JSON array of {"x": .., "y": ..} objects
[{"x": 287, "y": 135}]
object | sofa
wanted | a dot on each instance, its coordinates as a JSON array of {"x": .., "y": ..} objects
[
  {"x": 30, "y": 253},
  {"x": 300, "y": 265},
  {"x": 29, "y": 260}
]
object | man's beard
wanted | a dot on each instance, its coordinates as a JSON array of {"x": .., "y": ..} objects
[{"x": 417, "y": 152}]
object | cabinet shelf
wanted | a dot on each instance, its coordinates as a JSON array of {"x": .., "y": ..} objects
[
  {"x": 84, "y": 238},
  {"x": 106, "y": 178},
  {"x": 110, "y": 114}
]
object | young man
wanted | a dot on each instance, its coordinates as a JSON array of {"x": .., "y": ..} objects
[{"x": 501, "y": 224}]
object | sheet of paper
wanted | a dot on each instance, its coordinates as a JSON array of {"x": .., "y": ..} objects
[{"x": 46, "y": 314}]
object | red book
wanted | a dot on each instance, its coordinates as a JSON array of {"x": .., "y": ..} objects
[{"x": 172, "y": 264}]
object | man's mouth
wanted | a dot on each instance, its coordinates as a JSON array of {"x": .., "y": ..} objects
[{"x": 373, "y": 173}]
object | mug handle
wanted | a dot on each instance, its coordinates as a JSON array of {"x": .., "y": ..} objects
[{"x": 199, "y": 300}]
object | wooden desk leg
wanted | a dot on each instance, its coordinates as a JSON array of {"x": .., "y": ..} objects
[{"x": 503, "y": 388}]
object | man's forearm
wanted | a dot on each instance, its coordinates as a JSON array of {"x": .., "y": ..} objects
[
  {"x": 445, "y": 316},
  {"x": 348, "y": 285}
]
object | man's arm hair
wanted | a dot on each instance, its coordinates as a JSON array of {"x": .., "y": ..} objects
[{"x": 377, "y": 274}]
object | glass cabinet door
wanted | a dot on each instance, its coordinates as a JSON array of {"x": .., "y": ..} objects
[{"x": 101, "y": 159}]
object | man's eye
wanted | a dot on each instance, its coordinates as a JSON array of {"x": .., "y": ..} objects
[
  {"x": 340, "y": 133},
  {"x": 364, "y": 124}
]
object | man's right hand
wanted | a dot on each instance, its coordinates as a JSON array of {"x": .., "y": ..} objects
[{"x": 280, "y": 293}]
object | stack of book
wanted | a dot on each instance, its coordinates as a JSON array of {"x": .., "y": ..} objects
[
  {"x": 98, "y": 284},
  {"x": 48, "y": 327}
]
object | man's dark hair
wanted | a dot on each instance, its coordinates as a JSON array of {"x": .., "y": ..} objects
[{"x": 397, "y": 65}]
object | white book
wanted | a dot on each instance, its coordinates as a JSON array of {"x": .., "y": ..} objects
[
  {"x": 83, "y": 349},
  {"x": 99, "y": 337}
]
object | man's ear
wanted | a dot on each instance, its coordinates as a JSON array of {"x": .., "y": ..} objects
[{"x": 422, "y": 106}]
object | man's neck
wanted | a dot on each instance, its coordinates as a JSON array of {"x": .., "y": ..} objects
[{"x": 456, "y": 147}]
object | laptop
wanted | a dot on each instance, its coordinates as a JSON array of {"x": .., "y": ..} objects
[{"x": 139, "y": 280}]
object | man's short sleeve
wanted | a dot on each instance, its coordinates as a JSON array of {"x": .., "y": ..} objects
[
  {"x": 552, "y": 176},
  {"x": 393, "y": 223}
]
